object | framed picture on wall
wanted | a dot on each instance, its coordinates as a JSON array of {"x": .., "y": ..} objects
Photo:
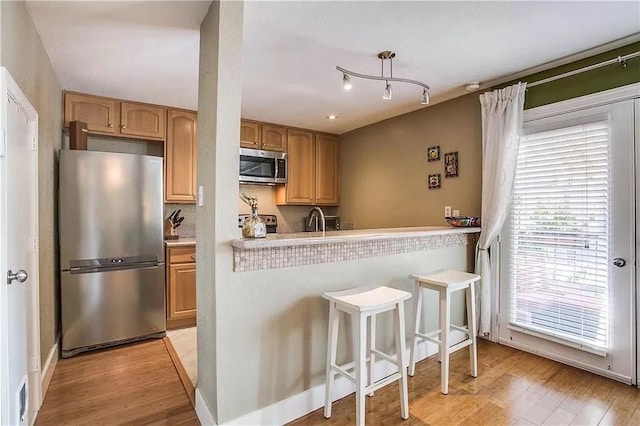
[
  {"x": 451, "y": 164},
  {"x": 434, "y": 181},
  {"x": 433, "y": 153}
]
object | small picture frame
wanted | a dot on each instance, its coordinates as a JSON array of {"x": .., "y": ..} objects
[
  {"x": 434, "y": 181},
  {"x": 451, "y": 164},
  {"x": 433, "y": 153}
]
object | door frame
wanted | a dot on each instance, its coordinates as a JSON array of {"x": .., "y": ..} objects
[
  {"x": 9, "y": 88},
  {"x": 636, "y": 106},
  {"x": 629, "y": 92}
]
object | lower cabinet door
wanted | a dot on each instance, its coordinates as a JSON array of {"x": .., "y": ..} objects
[{"x": 182, "y": 292}]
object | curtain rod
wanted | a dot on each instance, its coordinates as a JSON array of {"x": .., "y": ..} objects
[{"x": 618, "y": 60}]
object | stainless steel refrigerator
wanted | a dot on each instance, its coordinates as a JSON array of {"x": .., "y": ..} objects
[{"x": 111, "y": 249}]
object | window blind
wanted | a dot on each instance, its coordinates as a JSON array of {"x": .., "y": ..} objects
[{"x": 558, "y": 235}]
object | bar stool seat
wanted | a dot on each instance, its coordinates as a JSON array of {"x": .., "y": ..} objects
[
  {"x": 363, "y": 304},
  {"x": 446, "y": 282}
]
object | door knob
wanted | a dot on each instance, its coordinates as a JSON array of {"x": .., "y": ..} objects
[
  {"x": 619, "y": 262},
  {"x": 21, "y": 276}
]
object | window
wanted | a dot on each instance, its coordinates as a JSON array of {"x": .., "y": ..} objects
[{"x": 558, "y": 236}]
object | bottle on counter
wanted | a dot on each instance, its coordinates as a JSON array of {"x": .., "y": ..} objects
[{"x": 254, "y": 226}]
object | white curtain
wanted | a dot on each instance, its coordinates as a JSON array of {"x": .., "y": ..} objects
[{"x": 502, "y": 112}]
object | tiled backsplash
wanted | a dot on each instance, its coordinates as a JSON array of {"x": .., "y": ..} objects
[
  {"x": 282, "y": 257},
  {"x": 188, "y": 227},
  {"x": 290, "y": 218}
]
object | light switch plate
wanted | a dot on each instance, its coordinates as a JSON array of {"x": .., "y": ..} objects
[
  {"x": 200, "y": 196},
  {"x": 447, "y": 211},
  {"x": 456, "y": 212}
]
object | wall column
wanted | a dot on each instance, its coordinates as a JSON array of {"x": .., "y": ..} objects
[{"x": 219, "y": 101}]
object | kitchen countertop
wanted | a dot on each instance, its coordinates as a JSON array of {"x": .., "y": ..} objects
[
  {"x": 330, "y": 237},
  {"x": 180, "y": 242}
]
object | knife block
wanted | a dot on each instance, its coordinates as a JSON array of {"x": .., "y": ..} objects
[{"x": 170, "y": 233}]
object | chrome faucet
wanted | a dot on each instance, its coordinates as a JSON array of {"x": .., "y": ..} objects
[{"x": 315, "y": 213}]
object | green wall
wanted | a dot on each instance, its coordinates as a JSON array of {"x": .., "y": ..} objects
[{"x": 598, "y": 80}]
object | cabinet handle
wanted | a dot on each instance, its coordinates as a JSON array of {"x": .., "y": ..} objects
[
  {"x": 123, "y": 126},
  {"x": 111, "y": 125}
]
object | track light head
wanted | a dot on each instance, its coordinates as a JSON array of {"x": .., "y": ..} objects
[
  {"x": 346, "y": 82},
  {"x": 387, "y": 92},
  {"x": 425, "y": 97}
]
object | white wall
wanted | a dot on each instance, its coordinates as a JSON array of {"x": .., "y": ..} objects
[{"x": 23, "y": 54}]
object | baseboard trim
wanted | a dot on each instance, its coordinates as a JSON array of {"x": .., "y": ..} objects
[
  {"x": 49, "y": 367},
  {"x": 203, "y": 412},
  {"x": 298, "y": 405}
]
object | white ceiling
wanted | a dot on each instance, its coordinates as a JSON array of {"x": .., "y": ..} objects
[
  {"x": 148, "y": 51},
  {"x": 140, "y": 51}
]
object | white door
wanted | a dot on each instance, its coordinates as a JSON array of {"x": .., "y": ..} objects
[
  {"x": 568, "y": 249},
  {"x": 21, "y": 388}
]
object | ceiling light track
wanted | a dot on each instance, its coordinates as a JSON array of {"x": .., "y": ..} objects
[{"x": 384, "y": 56}]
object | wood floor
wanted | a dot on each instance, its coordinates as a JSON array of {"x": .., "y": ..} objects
[
  {"x": 135, "y": 384},
  {"x": 512, "y": 387}
]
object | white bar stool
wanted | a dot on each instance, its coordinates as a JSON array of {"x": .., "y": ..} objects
[
  {"x": 363, "y": 303},
  {"x": 446, "y": 282}
]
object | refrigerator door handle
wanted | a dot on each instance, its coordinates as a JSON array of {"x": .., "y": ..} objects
[{"x": 122, "y": 267}]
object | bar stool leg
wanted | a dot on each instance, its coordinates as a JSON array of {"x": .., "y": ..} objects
[
  {"x": 471, "y": 314},
  {"x": 360, "y": 355},
  {"x": 372, "y": 346},
  {"x": 417, "y": 313},
  {"x": 445, "y": 322},
  {"x": 332, "y": 349},
  {"x": 398, "y": 315}
]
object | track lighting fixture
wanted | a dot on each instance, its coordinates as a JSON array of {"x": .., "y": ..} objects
[
  {"x": 387, "y": 55},
  {"x": 346, "y": 82}
]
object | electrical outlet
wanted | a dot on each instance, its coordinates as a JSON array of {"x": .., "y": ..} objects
[
  {"x": 456, "y": 213},
  {"x": 447, "y": 211}
]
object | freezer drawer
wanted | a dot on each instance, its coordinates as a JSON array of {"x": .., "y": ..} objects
[{"x": 101, "y": 308}]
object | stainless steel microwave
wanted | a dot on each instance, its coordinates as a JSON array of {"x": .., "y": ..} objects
[{"x": 262, "y": 167}]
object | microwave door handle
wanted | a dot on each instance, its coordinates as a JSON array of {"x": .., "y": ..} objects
[{"x": 276, "y": 169}]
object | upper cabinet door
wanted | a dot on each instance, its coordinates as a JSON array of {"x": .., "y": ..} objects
[
  {"x": 327, "y": 170},
  {"x": 301, "y": 168},
  {"x": 141, "y": 120},
  {"x": 180, "y": 157},
  {"x": 98, "y": 113},
  {"x": 274, "y": 138},
  {"x": 250, "y": 136}
]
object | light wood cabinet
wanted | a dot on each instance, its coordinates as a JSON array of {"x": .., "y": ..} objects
[
  {"x": 98, "y": 113},
  {"x": 274, "y": 138},
  {"x": 313, "y": 170},
  {"x": 114, "y": 117},
  {"x": 250, "y": 135},
  {"x": 265, "y": 136},
  {"x": 144, "y": 121},
  {"x": 180, "y": 157},
  {"x": 300, "y": 186},
  {"x": 327, "y": 170},
  {"x": 181, "y": 287}
]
